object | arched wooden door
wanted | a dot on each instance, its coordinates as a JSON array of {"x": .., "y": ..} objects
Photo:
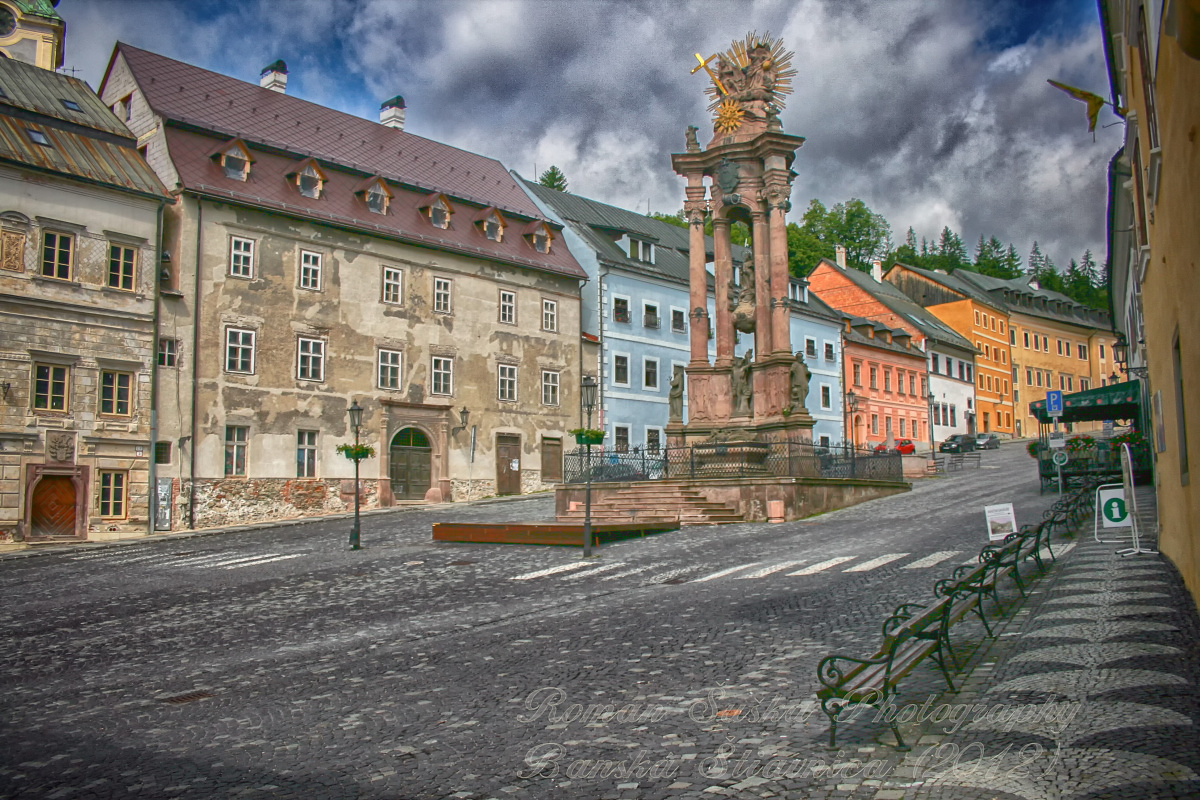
[
  {"x": 53, "y": 508},
  {"x": 410, "y": 464}
]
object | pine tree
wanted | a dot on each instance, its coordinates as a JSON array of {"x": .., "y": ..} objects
[
  {"x": 553, "y": 178},
  {"x": 1037, "y": 261},
  {"x": 1010, "y": 264}
]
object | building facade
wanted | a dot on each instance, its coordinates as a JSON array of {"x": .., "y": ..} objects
[
  {"x": 319, "y": 259},
  {"x": 886, "y": 385},
  {"x": 79, "y": 233},
  {"x": 1153, "y": 51}
]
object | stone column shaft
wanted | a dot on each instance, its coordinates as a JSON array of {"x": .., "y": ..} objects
[
  {"x": 781, "y": 334},
  {"x": 762, "y": 286},
  {"x": 697, "y": 273},
  {"x": 723, "y": 272}
]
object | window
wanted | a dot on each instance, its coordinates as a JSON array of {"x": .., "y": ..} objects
[
  {"x": 1026, "y": 334},
  {"x": 71, "y": 105},
  {"x": 1028, "y": 377},
  {"x": 953, "y": 415},
  {"x": 235, "y": 449},
  {"x": 310, "y": 270},
  {"x": 989, "y": 383},
  {"x": 875, "y": 423},
  {"x": 37, "y": 137},
  {"x": 541, "y": 240},
  {"x": 1070, "y": 383},
  {"x": 993, "y": 325},
  {"x": 887, "y": 380},
  {"x": 678, "y": 320},
  {"x": 508, "y": 307},
  {"x": 439, "y": 214},
  {"x": 810, "y": 347},
  {"x": 493, "y": 227},
  {"x": 442, "y": 371},
  {"x": 377, "y": 199},
  {"x": 1084, "y": 384},
  {"x": 550, "y": 384},
  {"x": 162, "y": 452},
  {"x": 923, "y": 387},
  {"x": 912, "y": 383},
  {"x": 1001, "y": 327},
  {"x": 650, "y": 373},
  {"x": 858, "y": 374},
  {"x": 641, "y": 251},
  {"x": 1005, "y": 387},
  {"x": 902, "y": 421},
  {"x": 1045, "y": 344},
  {"x": 824, "y": 440},
  {"x": 621, "y": 309},
  {"x": 550, "y": 315},
  {"x": 1060, "y": 346},
  {"x": 441, "y": 295},
  {"x": 987, "y": 352},
  {"x": 874, "y": 377},
  {"x": 1012, "y": 336},
  {"x": 1083, "y": 352},
  {"x": 390, "y": 362},
  {"x": 650, "y": 315},
  {"x": 239, "y": 350},
  {"x": 241, "y": 257},
  {"x": 310, "y": 361},
  {"x": 56, "y": 255},
  {"x": 1004, "y": 357},
  {"x": 620, "y": 370},
  {"x": 168, "y": 352},
  {"x": 934, "y": 365},
  {"x": 976, "y": 317},
  {"x": 826, "y": 396},
  {"x": 937, "y": 414},
  {"x": 654, "y": 440},
  {"x": 127, "y": 107},
  {"x": 393, "y": 286},
  {"x": 50, "y": 387},
  {"x": 900, "y": 381},
  {"x": 969, "y": 372},
  {"x": 116, "y": 389},
  {"x": 829, "y": 353},
  {"x": 962, "y": 371},
  {"x": 1101, "y": 352},
  {"x": 235, "y": 163},
  {"x": 306, "y": 454},
  {"x": 112, "y": 494},
  {"x": 1038, "y": 377},
  {"x": 621, "y": 438},
  {"x": 120, "y": 267}
]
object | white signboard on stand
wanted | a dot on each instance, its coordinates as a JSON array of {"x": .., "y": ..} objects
[
  {"x": 1001, "y": 521},
  {"x": 1113, "y": 510}
]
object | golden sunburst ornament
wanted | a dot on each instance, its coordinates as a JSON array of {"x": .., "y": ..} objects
[
  {"x": 756, "y": 67},
  {"x": 729, "y": 116}
]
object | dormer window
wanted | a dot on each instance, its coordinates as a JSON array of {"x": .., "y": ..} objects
[
  {"x": 235, "y": 161},
  {"x": 310, "y": 183},
  {"x": 377, "y": 199},
  {"x": 492, "y": 225},
  {"x": 539, "y": 236},
  {"x": 439, "y": 214},
  {"x": 541, "y": 242},
  {"x": 641, "y": 251}
]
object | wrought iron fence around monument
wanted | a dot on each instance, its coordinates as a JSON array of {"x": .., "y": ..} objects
[{"x": 731, "y": 460}]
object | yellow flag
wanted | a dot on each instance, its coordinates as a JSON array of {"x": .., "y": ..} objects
[{"x": 1094, "y": 101}]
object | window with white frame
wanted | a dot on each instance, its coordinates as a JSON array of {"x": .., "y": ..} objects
[
  {"x": 508, "y": 307},
  {"x": 650, "y": 315},
  {"x": 654, "y": 440},
  {"x": 550, "y": 386},
  {"x": 826, "y": 396},
  {"x": 310, "y": 270},
  {"x": 641, "y": 251},
  {"x": 236, "y": 438},
  {"x": 649, "y": 373},
  {"x": 441, "y": 295},
  {"x": 620, "y": 309},
  {"x": 442, "y": 374},
  {"x": 507, "y": 382},
  {"x": 239, "y": 350},
  {"x": 393, "y": 285},
  {"x": 830, "y": 354},
  {"x": 310, "y": 362},
  {"x": 678, "y": 320},
  {"x": 168, "y": 352},
  {"x": 390, "y": 363},
  {"x": 810, "y": 347},
  {"x": 306, "y": 454},
  {"x": 549, "y": 315},
  {"x": 621, "y": 438},
  {"x": 241, "y": 257},
  {"x": 620, "y": 375}
]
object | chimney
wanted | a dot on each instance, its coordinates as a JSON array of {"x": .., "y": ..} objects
[
  {"x": 391, "y": 113},
  {"x": 841, "y": 255},
  {"x": 274, "y": 77},
  {"x": 877, "y": 270}
]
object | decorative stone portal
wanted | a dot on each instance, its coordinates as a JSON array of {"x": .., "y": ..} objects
[{"x": 759, "y": 396}]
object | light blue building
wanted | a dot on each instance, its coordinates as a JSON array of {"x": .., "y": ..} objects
[{"x": 635, "y": 311}]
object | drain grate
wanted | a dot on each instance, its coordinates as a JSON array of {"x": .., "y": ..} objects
[
  {"x": 190, "y": 697},
  {"x": 460, "y": 563}
]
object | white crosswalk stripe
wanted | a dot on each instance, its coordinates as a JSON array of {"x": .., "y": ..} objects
[
  {"x": 759, "y": 573},
  {"x": 813, "y": 569},
  {"x": 628, "y": 572},
  {"x": 972, "y": 560},
  {"x": 728, "y": 571},
  {"x": 875, "y": 563},
  {"x": 932, "y": 559},
  {"x": 258, "y": 561},
  {"x": 541, "y": 573},
  {"x": 595, "y": 571}
]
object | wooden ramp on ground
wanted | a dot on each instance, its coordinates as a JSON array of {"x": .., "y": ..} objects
[{"x": 566, "y": 534}]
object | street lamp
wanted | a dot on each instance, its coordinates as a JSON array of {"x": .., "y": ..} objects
[
  {"x": 852, "y": 404},
  {"x": 355, "y": 412},
  {"x": 932, "y": 398},
  {"x": 587, "y": 393}
]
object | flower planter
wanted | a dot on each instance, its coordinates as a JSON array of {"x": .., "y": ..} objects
[{"x": 589, "y": 437}]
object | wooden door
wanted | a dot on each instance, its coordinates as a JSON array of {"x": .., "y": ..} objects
[
  {"x": 410, "y": 465},
  {"x": 508, "y": 464},
  {"x": 53, "y": 512},
  {"x": 552, "y": 460}
]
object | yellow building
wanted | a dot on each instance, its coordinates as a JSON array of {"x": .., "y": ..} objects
[
  {"x": 33, "y": 32},
  {"x": 1153, "y": 51}
]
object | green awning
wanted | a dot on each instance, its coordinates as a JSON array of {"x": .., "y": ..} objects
[{"x": 1115, "y": 401}]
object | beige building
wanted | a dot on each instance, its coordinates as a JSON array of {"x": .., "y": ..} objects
[
  {"x": 79, "y": 228},
  {"x": 317, "y": 259},
  {"x": 32, "y": 31},
  {"x": 1153, "y": 50}
]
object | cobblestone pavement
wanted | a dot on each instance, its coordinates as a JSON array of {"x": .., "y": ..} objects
[{"x": 276, "y": 663}]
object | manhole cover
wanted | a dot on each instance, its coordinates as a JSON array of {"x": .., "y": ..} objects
[
  {"x": 460, "y": 563},
  {"x": 190, "y": 697}
]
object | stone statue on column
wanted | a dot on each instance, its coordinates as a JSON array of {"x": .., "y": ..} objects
[
  {"x": 744, "y": 307},
  {"x": 675, "y": 396},
  {"x": 801, "y": 375},
  {"x": 743, "y": 386}
]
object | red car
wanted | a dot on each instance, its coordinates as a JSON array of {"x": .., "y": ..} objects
[{"x": 903, "y": 446}]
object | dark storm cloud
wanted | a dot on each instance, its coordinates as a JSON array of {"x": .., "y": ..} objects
[{"x": 934, "y": 112}]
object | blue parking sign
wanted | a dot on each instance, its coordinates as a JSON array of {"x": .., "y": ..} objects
[{"x": 1054, "y": 404}]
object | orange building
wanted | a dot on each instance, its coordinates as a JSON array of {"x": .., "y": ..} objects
[
  {"x": 886, "y": 384},
  {"x": 984, "y": 322}
]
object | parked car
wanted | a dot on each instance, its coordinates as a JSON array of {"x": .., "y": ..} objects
[
  {"x": 903, "y": 446},
  {"x": 987, "y": 441},
  {"x": 958, "y": 443}
]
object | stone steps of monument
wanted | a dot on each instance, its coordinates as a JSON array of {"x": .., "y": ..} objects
[
  {"x": 650, "y": 502},
  {"x": 606, "y": 516}
]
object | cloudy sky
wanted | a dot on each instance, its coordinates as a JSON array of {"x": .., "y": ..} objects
[{"x": 934, "y": 112}]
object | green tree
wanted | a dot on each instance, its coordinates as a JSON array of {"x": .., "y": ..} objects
[
  {"x": 907, "y": 253},
  {"x": 554, "y": 179},
  {"x": 1010, "y": 264},
  {"x": 1036, "y": 262},
  {"x": 865, "y": 234},
  {"x": 676, "y": 219},
  {"x": 805, "y": 250}
]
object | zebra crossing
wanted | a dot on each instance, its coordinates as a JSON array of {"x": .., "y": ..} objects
[
  {"x": 751, "y": 570},
  {"x": 145, "y": 557}
]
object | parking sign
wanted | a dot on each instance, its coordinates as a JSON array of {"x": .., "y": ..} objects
[{"x": 1054, "y": 404}]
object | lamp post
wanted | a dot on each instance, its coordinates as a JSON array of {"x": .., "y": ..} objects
[
  {"x": 932, "y": 398},
  {"x": 587, "y": 393},
  {"x": 852, "y": 404},
  {"x": 355, "y": 411}
]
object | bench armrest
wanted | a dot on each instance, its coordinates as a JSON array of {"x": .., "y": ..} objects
[{"x": 832, "y": 675}]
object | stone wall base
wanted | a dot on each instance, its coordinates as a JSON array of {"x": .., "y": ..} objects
[{"x": 237, "y": 501}]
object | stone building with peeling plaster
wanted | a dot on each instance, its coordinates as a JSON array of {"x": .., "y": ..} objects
[
  {"x": 313, "y": 258},
  {"x": 79, "y": 226}
]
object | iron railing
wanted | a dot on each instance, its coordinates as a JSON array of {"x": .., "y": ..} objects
[{"x": 731, "y": 460}]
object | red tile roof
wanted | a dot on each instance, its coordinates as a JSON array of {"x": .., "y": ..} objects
[{"x": 205, "y": 109}]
